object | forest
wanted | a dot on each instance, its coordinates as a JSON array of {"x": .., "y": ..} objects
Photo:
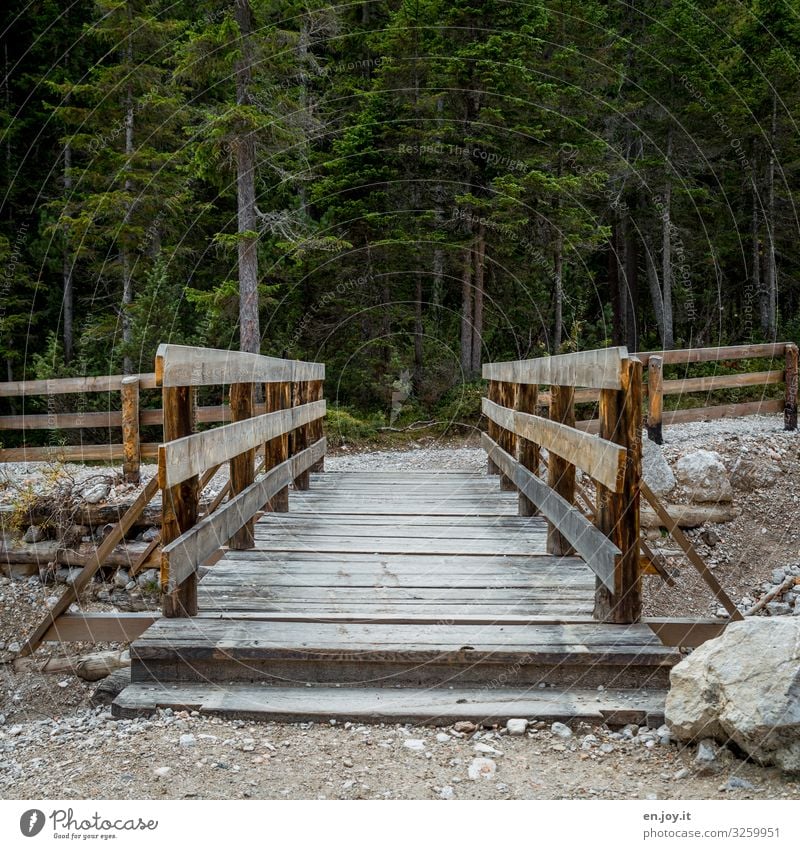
[{"x": 402, "y": 189}]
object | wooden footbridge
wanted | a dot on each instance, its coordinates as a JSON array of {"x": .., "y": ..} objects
[{"x": 402, "y": 596}]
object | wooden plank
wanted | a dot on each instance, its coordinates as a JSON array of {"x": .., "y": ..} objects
[
  {"x": 593, "y": 546},
  {"x": 507, "y": 439},
  {"x": 179, "y": 501},
  {"x": 182, "y": 458},
  {"x": 600, "y": 459},
  {"x": 528, "y": 450},
  {"x": 74, "y": 453},
  {"x": 130, "y": 429},
  {"x": 182, "y": 555},
  {"x": 71, "y": 593},
  {"x": 723, "y": 411},
  {"x": 71, "y": 385},
  {"x": 278, "y": 397},
  {"x": 618, "y": 512},
  {"x": 599, "y": 369},
  {"x": 718, "y": 381},
  {"x": 316, "y": 429},
  {"x": 299, "y": 437},
  {"x": 494, "y": 395},
  {"x": 655, "y": 399},
  {"x": 790, "y": 393},
  {"x": 99, "y": 627},
  {"x": 689, "y": 550},
  {"x": 706, "y": 355},
  {"x": 242, "y": 466},
  {"x": 685, "y": 632},
  {"x": 182, "y": 365},
  {"x": 61, "y": 421}
]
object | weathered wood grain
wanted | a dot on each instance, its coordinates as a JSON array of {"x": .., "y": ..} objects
[{"x": 599, "y": 369}]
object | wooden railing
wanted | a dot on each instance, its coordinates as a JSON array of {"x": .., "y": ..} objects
[
  {"x": 289, "y": 431},
  {"x": 603, "y": 527},
  {"x": 610, "y": 544},
  {"x": 287, "y": 428}
]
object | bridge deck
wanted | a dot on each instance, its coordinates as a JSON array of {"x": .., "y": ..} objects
[{"x": 410, "y": 579}]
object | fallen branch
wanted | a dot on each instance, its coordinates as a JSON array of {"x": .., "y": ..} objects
[
  {"x": 772, "y": 594},
  {"x": 90, "y": 667}
]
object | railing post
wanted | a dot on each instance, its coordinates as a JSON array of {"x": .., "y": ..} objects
[
  {"x": 277, "y": 397},
  {"x": 316, "y": 427},
  {"x": 242, "y": 467},
  {"x": 508, "y": 439},
  {"x": 790, "y": 398},
  {"x": 561, "y": 473},
  {"x": 655, "y": 399},
  {"x": 179, "y": 503},
  {"x": 618, "y": 512},
  {"x": 493, "y": 430},
  {"x": 300, "y": 434},
  {"x": 131, "y": 451},
  {"x": 528, "y": 452}
]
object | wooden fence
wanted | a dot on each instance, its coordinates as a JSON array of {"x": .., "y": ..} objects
[{"x": 602, "y": 527}]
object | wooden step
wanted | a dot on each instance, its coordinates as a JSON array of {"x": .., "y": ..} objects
[
  {"x": 371, "y": 705},
  {"x": 293, "y": 653}
]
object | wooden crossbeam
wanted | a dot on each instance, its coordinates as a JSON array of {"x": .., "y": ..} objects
[
  {"x": 600, "y": 459},
  {"x": 183, "y": 458},
  {"x": 183, "y": 365},
  {"x": 599, "y": 369},
  {"x": 596, "y": 549}
]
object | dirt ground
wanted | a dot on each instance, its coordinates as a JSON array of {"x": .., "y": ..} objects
[{"x": 54, "y": 745}]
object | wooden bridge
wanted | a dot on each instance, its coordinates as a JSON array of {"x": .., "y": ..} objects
[{"x": 417, "y": 596}]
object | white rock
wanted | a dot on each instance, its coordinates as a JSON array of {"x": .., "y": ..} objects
[
  {"x": 516, "y": 727},
  {"x": 441, "y": 737},
  {"x": 481, "y": 768},
  {"x": 655, "y": 469},
  {"x": 186, "y": 741},
  {"x": 96, "y": 493},
  {"x": 486, "y": 749},
  {"x": 162, "y": 771},
  {"x": 447, "y": 792},
  {"x": 415, "y": 745},
  {"x": 14, "y": 646},
  {"x": 561, "y": 730},
  {"x": 122, "y": 578},
  {"x": 704, "y": 475},
  {"x": 743, "y": 686}
]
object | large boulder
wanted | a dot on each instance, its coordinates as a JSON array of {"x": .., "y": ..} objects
[
  {"x": 655, "y": 469},
  {"x": 749, "y": 474},
  {"x": 743, "y": 687},
  {"x": 703, "y": 474}
]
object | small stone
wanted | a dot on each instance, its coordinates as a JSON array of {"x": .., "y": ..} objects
[
  {"x": 35, "y": 533},
  {"x": 736, "y": 783},
  {"x": 186, "y": 741},
  {"x": 606, "y": 748},
  {"x": 486, "y": 749},
  {"x": 561, "y": 730},
  {"x": 122, "y": 578},
  {"x": 681, "y": 774},
  {"x": 150, "y": 534},
  {"x": 14, "y": 646},
  {"x": 441, "y": 737},
  {"x": 481, "y": 768},
  {"x": 516, "y": 727},
  {"x": 96, "y": 493},
  {"x": 706, "y": 757},
  {"x": 779, "y": 608},
  {"x": 710, "y": 537},
  {"x": 162, "y": 771},
  {"x": 415, "y": 745},
  {"x": 465, "y": 726},
  {"x": 447, "y": 792},
  {"x": 777, "y": 576},
  {"x": 64, "y": 683}
]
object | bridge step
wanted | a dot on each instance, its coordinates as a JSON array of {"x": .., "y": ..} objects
[
  {"x": 373, "y": 705},
  {"x": 386, "y": 655}
]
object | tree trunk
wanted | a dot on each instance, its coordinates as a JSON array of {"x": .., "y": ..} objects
[
  {"x": 418, "y": 334},
  {"x": 666, "y": 250},
  {"x": 466, "y": 314},
  {"x": 249, "y": 331},
  {"x": 558, "y": 283},
  {"x": 631, "y": 286},
  {"x": 614, "y": 290},
  {"x": 655, "y": 288},
  {"x": 755, "y": 269},
  {"x": 125, "y": 260},
  {"x": 66, "y": 268},
  {"x": 771, "y": 282},
  {"x": 479, "y": 251}
]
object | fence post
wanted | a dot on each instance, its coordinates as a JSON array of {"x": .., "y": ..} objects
[
  {"x": 242, "y": 466},
  {"x": 655, "y": 399},
  {"x": 131, "y": 451},
  {"x": 179, "y": 503},
  {"x": 316, "y": 428},
  {"x": 492, "y": 429},
  {"x": 790, "y": 400},
  {"x": 561, "y": 473},
  {"x": 277, "y": 396},
  {"x": 299, "y": 442},
  {"x": 618, "y": 512},
  {"x": 527, "y": 398}
]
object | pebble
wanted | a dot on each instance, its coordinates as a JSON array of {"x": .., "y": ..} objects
[
  {"x": 14, "y": 646},
  {"x": 681, "y": 774},
  {"x": 736, "y": 783},
  {"x": 447, "y": 792},
  {"x": 186, "y": 741},
  {"x": 415, "y": 745},
  {"x": 516, "y": 727},
  {"x": 481, "y": 768},
  {"x": 162, "y": 771},
  {"x": 465, "y": 727},
  {"x": 486, "y": 749},
  {"x": 706, "y": 757},
  {"x": 561, "y": 730},
  {"x": 441, "y": 737}
]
